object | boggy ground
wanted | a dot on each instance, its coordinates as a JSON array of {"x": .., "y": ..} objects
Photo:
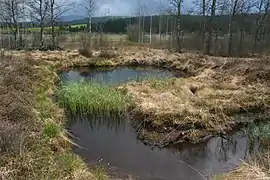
[{"x": 214, "y": 96}]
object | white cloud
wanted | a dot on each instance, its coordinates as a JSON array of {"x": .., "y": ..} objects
[
  {"x": 121, "y": 7},
  {"x": 115, "y": 8}
]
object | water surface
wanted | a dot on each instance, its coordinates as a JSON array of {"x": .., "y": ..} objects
[
  {"x": 115, "y": 76},
  {"x": 114, "y": 144}
]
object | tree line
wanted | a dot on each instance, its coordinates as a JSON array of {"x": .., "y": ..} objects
[
  {"x": 17, "y": 16},
  {"x": 214, "y": 27}
]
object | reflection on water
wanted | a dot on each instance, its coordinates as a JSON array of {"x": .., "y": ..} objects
[
  {"x": 115, "y": 76},
  {"x": 113, "y": 142}
]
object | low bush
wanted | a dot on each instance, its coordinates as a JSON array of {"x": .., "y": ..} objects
[{"x": 86, "y": 52}]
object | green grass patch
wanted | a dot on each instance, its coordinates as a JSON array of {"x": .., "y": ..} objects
[
  {"x": 259, "y": 132},
  {"x": 93, "y": 98},
  {"x": 51, "y": 130}
]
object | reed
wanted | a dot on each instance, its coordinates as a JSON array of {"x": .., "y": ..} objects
[{"x": 93, "y": 98}]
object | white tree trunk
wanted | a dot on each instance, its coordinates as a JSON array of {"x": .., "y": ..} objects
[
  {"x": 160, "y": 27},
  {"x": 90, "y": 25},
  {"x": 139, "y": 35},
  {"x": 143, "y": 30},
  {"x": 167, "y": 25},
  {"x": 151, "y": 19}
]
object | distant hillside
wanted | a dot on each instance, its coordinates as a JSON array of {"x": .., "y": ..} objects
[
  {"x": 84, "y": 20},
  {"x": 70, "y": 18}
]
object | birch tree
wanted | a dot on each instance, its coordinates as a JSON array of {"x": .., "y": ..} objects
[
  {"x": 89, "y": 7},
  {"x": 140, "y": 15},
  {"x": 39, "y": 11},
  {"x": 57, "y": 8},
  {"x": 176, "y": 12}
]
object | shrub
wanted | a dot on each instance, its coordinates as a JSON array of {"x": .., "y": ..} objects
[
  {"x": 132, "y": 33},
  {"x": 85, "y": 49},
  {"x": 86, "y": 52}
]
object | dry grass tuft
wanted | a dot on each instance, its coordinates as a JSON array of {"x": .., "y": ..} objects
[
  {"x": 247, "y": 172},
  {"x": 12, "y": 138}
]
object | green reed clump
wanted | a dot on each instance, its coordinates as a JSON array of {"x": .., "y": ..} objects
[{"x": 93, "y": 98}]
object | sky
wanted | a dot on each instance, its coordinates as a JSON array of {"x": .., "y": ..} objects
[{"x": 125, "y": 7}]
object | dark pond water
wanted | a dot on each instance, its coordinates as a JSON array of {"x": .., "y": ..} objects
[
  {"x": 113, "y": 142},
  {"x": 115, "y": 76}
]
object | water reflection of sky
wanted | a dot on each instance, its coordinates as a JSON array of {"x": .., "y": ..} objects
[
  {"x": 114, "y": 76},
  {"x": 117, "y": 145},
  {"x": 115, "y": 141}
]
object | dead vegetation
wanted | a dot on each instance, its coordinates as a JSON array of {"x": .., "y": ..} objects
[
  {"x": 247, "y": 172},
  {"x": 30, "y": 146},
  {"x": 216, "y": 95}
]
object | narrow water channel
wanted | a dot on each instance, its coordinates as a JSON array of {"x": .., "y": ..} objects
[{"x": 113, "y": 142}]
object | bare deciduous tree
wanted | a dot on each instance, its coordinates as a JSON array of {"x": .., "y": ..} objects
[
  {"x": 263, "y": 10},
  {"x": 140, "y": 13},
  {"x": 12, "y": 14},
  {"x": 176, "y": 12},
  {"x": 89, "y": 7},
  {"x": 234, "y": 9},
  {"x": 39, "y": 11},
  {"x": 210, "y": 28},
  {"x": 57, "y": 9}
]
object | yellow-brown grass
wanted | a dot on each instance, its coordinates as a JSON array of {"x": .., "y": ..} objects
[
  {"x": 214, "y": 98},
  {"x": 33, "y": 144}
]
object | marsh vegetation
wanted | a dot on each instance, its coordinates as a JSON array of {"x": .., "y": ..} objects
[{"x": 88, "y": 97}]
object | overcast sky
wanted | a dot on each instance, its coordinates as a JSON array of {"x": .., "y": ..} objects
[{"x": 125, "y": 7}]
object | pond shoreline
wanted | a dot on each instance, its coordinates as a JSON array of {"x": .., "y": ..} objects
[
  {"x": 247, "y": 77},
  {"x": 188, "y": 66}
]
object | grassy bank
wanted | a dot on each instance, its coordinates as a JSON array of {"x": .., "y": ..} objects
[
  {"x": 92, "y": 98},
  {"x": 33, "y": 143}
]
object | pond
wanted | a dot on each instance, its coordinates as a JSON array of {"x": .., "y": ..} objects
[{"x": 114, "y": 144}]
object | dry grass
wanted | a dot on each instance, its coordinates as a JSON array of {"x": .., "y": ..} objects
[
  {"x": 197, "y": 108},
  {"x": 246, "y": 172},
  {"x": 189, "y": 109},
  {"x": 106, "y": 54},
  {"x": 33, "y": 144},
  {"x": 210, "y": 102},
  {"x": 258, "y": 168}
]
